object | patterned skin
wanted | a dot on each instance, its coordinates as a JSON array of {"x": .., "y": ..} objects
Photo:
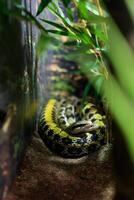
[{"x": 70, "y": 130}]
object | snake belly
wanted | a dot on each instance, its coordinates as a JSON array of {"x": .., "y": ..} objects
[{"x": 54, "y": 128}]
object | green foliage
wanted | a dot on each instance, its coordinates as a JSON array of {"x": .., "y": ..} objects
[
  {"x": 130, "y": 5},
  {"x": 56, "y": 25},
  {"x": 123, "y": 60},
  {"x": 89, "y": 34},
  {"x": 42, "y": 5},
  {"x": 121, "y": 95}
]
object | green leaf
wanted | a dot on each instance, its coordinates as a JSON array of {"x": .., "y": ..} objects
[
  {"x": 56, "y": 25},
  {"x": 130, "y": 5},
  {"x": 42, "y": 5},
  {"x": 99, "y": 84},
  {"x": 83, "y": 12},
  {"x": 123, "y": 110},
  {"x": 97, "y": 19},
  {"x": 59, "y": 14},
  {"x": 86, "y": 90},
  {"x": 122, "y": 58},
  {"x": 58, "y": 32},
  {"x": 27, "y": 16},
  {"x": 82, "y": 35}
]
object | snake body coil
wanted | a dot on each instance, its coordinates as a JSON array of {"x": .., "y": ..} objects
[{"x": 70, "y": 131}]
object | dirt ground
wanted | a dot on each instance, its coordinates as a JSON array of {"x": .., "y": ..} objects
[{"x": 44, "y": 176}]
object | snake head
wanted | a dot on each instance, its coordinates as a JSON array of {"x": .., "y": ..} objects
[{"x": 81, "y": 127}]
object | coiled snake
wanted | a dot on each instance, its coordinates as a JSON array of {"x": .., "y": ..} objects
[{"x": 71, "y": 128}]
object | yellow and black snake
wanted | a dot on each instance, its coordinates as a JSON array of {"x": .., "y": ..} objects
[{"x": 71, "y": 128}]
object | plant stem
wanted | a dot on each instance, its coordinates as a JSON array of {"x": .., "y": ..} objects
[{"x": 98, "y": 5}]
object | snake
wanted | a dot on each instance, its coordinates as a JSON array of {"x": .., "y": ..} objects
[{"x": 71, "y": 128}]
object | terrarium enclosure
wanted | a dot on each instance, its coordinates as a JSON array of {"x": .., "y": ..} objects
[{"x": 66, "y": 99}]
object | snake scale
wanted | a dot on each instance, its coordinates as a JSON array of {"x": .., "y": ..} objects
[{"x": 70, "y": 128}]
